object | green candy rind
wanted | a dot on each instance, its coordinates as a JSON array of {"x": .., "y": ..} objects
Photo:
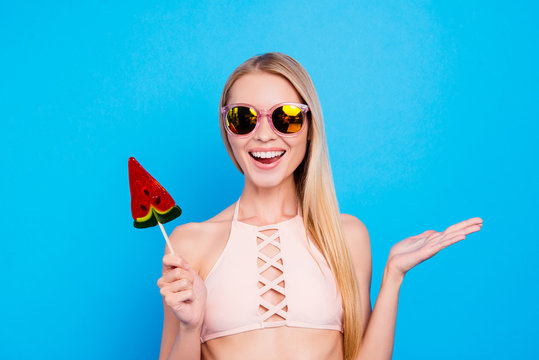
[{"x": 170, "y": 215}]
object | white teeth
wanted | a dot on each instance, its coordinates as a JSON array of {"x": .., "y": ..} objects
[{"x": 267, "y": 154}]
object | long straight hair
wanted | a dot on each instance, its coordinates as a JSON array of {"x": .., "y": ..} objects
[{"x": 314, "y": 188}]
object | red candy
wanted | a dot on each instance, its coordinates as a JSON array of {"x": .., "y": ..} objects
[{"x": 150, "y": 202}]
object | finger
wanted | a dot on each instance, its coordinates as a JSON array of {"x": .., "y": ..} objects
[
  {"x": 424, "y": 234},
  {"x": 176, "y": 286},
  {"x": 471, "y": 229},
  {"x": 173, "y": 299},
  {"x": 171, "y": 261},
  {"x": 173, "y": 275},
  {"x": 463, "y": 231},
  {"x": 451, "y": 240},
  {"x": 429, "y": 233},
  {"x": 176, "y": 274},
  {"x": 465, "y": 223}
]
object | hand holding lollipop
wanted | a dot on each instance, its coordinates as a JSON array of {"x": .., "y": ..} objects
[{"x": 182, "y": 288}]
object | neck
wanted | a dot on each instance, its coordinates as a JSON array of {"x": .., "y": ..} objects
[{"x": 268, "y": 205}]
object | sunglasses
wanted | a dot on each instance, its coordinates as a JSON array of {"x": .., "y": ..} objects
[{"x": 287, "y": 119}]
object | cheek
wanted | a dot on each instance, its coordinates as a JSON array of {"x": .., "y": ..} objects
[
  {"x": 300, "y": 151},
  {"x": 233, "y": 142},
  {"x": 237, "y": 146}
]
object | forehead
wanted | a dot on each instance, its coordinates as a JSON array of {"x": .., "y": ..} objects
[{"x": 262, "y": 90}]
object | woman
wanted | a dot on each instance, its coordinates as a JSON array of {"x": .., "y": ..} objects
[{"x": 281, "y": 274}]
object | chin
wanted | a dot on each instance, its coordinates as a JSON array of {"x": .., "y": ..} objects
[{"x": 268, "y": 180}]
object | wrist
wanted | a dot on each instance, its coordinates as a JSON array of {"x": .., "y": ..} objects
[
  {"x": 190, "y": 328},
  {"x": 392, "y": 275}
]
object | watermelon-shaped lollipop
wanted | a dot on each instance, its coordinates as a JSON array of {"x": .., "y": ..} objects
[{"x": 151, "y": 204}]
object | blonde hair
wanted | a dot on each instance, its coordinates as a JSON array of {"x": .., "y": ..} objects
[{"x": 314, "y": 187}]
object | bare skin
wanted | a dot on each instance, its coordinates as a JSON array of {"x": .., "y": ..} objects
[
  {"x": 269, "y": 197},
  {"x": 322, "y": 344},
  {"x": 211, "y": 237}
]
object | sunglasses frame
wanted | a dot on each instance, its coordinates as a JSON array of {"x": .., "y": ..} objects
[{"x": 268, "y": 114}]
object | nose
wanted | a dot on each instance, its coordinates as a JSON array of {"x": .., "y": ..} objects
[{"x": 264, "y": 132}]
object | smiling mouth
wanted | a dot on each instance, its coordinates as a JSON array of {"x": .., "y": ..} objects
[{"x": 267, "y": 157}]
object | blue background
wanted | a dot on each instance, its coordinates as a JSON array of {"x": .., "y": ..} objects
[{"x": 431, "y": 115}]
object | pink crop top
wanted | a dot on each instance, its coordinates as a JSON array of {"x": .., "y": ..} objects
[{"x": 267, "y": 277}]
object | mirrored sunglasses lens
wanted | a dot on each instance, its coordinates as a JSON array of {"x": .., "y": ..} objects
[
  {"x": 287, "y": 119},
  {"x": 241, "y": 120}
]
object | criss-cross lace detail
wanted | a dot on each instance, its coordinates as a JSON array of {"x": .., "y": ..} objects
[
  {"x": 267, "y": 277},
  {"x": 273, "y": 306}
]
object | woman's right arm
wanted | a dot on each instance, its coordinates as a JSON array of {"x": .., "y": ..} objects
[
  {"x": 184, "y": 301},
  {"x": 174, "y": 347},
  {"x": 171, "y": 326}
]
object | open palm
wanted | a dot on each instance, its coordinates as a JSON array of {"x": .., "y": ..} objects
[{"x": 409, "y": 252}]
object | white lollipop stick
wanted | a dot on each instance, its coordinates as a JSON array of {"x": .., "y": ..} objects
[{"x": 166, "y": 238}]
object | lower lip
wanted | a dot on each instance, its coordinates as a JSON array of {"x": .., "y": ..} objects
[{"x": 266, "y": 166}]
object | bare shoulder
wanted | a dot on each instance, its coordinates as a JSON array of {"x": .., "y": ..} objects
[
  {"x": 357, "y": 237},
  {"x": 199, "y": 242},
  {"x": 355, "y": 231}
]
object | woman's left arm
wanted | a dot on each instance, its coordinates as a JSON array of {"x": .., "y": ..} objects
[{"x": 379, "y": 335}]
